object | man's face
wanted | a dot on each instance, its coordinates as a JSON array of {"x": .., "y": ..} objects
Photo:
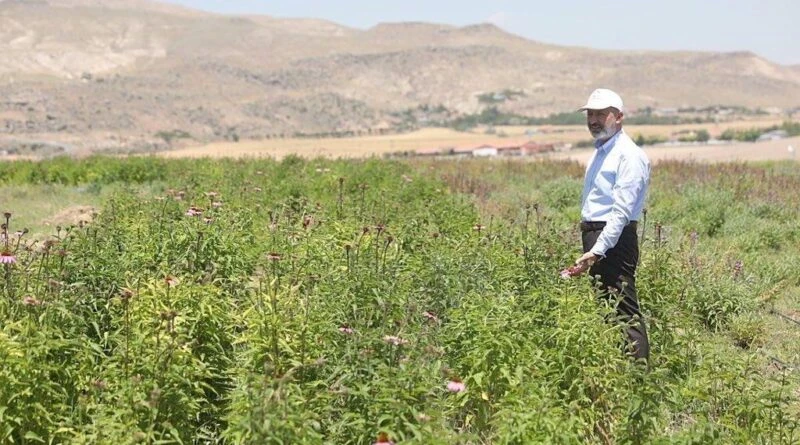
[{"x": 603, "y": 123}]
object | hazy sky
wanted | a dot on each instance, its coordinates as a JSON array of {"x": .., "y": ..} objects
[{"x": 770, "y": 28}]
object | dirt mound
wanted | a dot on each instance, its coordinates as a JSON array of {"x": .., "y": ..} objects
[{"x": 71, "y": 216}]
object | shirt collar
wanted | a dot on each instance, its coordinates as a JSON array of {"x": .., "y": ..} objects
[{"x": 609, "y": 143}]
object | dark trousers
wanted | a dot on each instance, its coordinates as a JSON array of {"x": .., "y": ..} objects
[{"x": 617, "y": 279}]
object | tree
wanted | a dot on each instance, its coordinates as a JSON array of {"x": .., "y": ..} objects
[{"x": 728, "y": 135}]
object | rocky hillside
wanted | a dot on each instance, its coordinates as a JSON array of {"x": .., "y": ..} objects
[{"x": 118, "y": 74}]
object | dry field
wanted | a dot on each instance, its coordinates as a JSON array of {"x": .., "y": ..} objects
[
  {"x": 740, "y": 151},
  {"x": 575, "y": 133},
  {"x": 437, "y": 138}
]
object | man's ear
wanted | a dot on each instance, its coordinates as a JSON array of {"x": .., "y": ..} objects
[{"x": 620, "y": 116}]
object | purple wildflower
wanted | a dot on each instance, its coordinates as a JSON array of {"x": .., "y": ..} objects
[
  {"x": 7, "y": 258},
  {"x": 430, "y": 316},
  {"x": 194, "y": 211},
  {"x": 456, "y": 385},
  {"x": 394, "y": 340},
  {"x": 30, "y": 300}
]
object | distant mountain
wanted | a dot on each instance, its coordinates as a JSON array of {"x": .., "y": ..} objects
[{"x": 112, "y": 73}]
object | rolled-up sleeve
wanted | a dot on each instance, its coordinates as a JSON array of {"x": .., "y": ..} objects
[{"x": 631, "y": 182}]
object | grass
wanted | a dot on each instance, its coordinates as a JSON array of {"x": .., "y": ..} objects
[
  {"x": 781, "y": 337},
  {"x": 42, "y": 207}
]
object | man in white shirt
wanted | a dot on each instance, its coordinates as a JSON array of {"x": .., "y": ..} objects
[{"x": 614, "y": 190}]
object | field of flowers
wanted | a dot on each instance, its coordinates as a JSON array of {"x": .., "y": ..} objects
[{"x": 311, "y": 302}]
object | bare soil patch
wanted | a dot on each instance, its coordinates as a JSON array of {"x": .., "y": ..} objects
[{"x": 71, "y": 216}]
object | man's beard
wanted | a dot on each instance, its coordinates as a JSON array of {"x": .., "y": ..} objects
[{"x": 602, "y": 133}]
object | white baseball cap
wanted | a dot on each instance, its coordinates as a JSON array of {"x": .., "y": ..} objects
[{"x": 602, "y": 98}]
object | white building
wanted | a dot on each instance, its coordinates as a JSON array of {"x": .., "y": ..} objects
[{"x": 484, "y": 151}]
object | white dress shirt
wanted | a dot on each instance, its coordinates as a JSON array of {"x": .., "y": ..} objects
[{"x": 614, "y": 188}]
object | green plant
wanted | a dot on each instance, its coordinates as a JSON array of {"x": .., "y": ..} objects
[{"x": 319, "y": 301}]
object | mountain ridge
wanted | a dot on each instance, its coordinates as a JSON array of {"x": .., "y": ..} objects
[{"x": 116, "y": 73}]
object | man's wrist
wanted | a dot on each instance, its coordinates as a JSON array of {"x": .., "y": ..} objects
[{"x": 598, "y": 254}]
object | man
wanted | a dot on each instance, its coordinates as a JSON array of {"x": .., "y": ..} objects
[{"x": 613, "y": 198}]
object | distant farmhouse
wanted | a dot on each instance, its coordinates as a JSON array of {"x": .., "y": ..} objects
[{"x": 529, "y": 148}]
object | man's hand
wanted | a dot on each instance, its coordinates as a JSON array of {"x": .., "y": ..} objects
[
  {"x": 581, "y": 265},
  {"x": 586, "y": 261}
]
